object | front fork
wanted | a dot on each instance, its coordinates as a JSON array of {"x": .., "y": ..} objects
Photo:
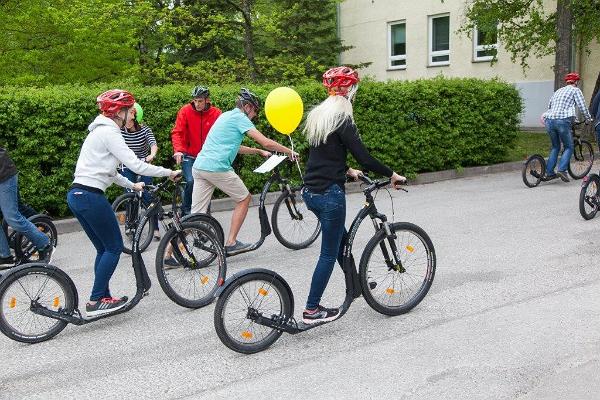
[{"x": 394, "y": 264}]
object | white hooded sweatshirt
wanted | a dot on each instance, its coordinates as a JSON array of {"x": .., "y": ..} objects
[{"x": 102, "y": 152}]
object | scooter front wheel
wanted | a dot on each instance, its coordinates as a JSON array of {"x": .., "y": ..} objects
[
  {"x": 533, "y": 170},
  {"x": 257, "y": 293},
  {"x": 34, "y": 285}
]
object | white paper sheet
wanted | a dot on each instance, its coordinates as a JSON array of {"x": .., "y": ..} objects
[{"x": 271, "y": 163}]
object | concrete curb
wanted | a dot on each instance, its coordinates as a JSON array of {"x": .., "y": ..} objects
[{"x": 72, "y": 225}]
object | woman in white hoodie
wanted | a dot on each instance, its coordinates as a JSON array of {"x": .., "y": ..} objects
[{"x": 102, "y": 152}]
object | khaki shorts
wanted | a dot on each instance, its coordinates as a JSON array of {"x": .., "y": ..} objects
[{"x": 205, "y": 183}]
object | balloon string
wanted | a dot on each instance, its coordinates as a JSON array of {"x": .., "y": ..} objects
[{"x": 297, "y": 159}]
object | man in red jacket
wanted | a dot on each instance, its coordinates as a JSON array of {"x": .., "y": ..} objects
[{"x": 194, "y": 120}]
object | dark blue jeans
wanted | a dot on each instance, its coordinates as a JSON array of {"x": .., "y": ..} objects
[
  {"x": 133, "y": 177},
  {"x": 9, "y": 204},
  {"x": 95, "y": 214},
  {"x": 186, "y": 169},
  {"x": 597, "y": 129},
  {"x": 330, "y": 209},
  {"x": 559, "y": 131}
]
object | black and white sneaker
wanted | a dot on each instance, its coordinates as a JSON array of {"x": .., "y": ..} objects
[
  {"x": 171, "y": 263},
  {"x": 321, "y": 314},
  {"x": 105, "y": 305},
  {"x": 7, "y": 262},
  {"x": 45, "y": 255}
]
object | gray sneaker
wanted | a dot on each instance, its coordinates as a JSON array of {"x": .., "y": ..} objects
[
  {"x": 237, "y": 247},
  {"x": 563, "y": 175}
]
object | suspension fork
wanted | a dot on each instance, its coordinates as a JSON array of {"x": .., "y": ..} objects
[{"x": 396, "y": 262}]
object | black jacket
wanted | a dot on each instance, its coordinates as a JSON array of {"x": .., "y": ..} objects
[{"x": 7, "y": 166}]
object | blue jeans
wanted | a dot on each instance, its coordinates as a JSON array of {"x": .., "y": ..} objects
[
  {"x": 597, "y": 129},
  {"x": 95, "y": 214},
  {"x": 559, "y": 131},
  {"x": 186, "y": 169},
  {"x": 9, "y": 204},
  {"x": 146, "y": 198},
  {"x": 330, "y": 209}
]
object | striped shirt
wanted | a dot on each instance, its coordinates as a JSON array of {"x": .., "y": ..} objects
[
  {"x": 563, "y": 101},
  {"x": 140, "y": 141}
]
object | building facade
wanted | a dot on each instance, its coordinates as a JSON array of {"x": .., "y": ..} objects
[{"x": 413, "y": 39}]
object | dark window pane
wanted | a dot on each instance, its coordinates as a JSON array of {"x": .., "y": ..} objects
[
  {"x": 398, "y": 40},
  {"x": 486, "y": 53},
  {"x": 487, "y": 36},
  {"x": 441, "y": 34},
  {"x": 440, "y": 58},
  {"x": 397, "y": 63}
]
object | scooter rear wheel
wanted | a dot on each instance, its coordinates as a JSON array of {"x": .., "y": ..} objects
[
  {"x": 258, "y": 291},
  {"x": 19, "y": 290},
  {"x": 533, "y": 170}
]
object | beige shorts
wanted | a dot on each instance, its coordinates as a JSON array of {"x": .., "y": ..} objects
[{"x": 205, "y": 183}]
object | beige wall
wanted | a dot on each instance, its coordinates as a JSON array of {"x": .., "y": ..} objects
[{"x": 589, "y": 67}]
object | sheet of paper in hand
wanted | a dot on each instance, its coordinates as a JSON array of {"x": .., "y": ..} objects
[{"x": 271, "y": 163}]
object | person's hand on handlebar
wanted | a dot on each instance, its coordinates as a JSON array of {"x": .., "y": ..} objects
[
  {"x": 175, "y": 175},
  {"x": 397, "y": 180},
  {"x": 354, "y": 173},
  {"x": 293, "y": 156},
  {"x": 264, "y": 153},
  {"x": 138, "y": 186}
]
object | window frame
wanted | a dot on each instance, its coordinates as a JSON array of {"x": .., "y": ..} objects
[
  {"x": 482, "y": 47},
  {"x": 390, "y": 57},
  {"x": 438, "y": 53}
]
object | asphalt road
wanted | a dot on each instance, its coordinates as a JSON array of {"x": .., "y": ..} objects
[{"x": 513, "y": 313}]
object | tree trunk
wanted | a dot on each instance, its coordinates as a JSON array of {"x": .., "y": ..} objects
[
  {"x": 564, "y": 44},
  {"x": 249, "y": 39}
]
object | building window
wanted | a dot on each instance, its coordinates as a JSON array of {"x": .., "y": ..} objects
[
  {"x": 397, "y": 45},
  {"x": 485, "y": 43},
  {"x": 439, "y": 40}
]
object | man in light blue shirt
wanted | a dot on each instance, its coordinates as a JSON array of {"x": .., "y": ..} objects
[
  {"x": 558, "y": 119},
  {"x": 213, "y": 166}
]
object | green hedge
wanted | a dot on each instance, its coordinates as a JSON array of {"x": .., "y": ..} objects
[{"x": 424, "y": 125}]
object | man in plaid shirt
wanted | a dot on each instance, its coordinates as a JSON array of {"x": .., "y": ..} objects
[{"x": 558, "y": 120}]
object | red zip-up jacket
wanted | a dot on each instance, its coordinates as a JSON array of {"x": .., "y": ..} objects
[{"x": 191, "y": 129}]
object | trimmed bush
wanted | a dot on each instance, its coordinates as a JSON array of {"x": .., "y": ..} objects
[{"x": 424, "y": 125}]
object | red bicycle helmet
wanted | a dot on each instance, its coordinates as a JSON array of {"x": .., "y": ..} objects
[
  {"x": 340, "y": 78},
  {"x": 112, "y": 101},
  {"x": 572, "y": 77}
]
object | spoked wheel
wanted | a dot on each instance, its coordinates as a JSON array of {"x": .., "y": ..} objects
[
  {"x": 533, "y": 170},
  {"x": 129, "y": 211},
  {"x": 582, "y": 160},
  {"x": 25, "y": 251},
  {"x": 294, "y": 225},
  {"x": 257, "y": 292},
  {"x": 40, "y": 285},
  {"x": 200, "y": 265},
  {"x": 394, "y": 289},
  {"x": 589, "y": 197}
]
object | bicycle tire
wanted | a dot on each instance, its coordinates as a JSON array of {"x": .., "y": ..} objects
[
  {"x": 589, "y": 201},
  {"x": 582, "y": 159},
  {"x": 8, "y": 300},
  {"x": 533, "y": 170},
  {"x": 281, "y": 208},
  {"x": 393, "y": 291},
  {"x": 128, "y": 228},
  {"x": 214, "y": 271},
  {"x": 262, "y": 286}
]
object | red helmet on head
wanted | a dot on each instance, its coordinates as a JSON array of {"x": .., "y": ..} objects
[
  {"x": 340, "y": 78},
  {"x": 112, "y": 101},
  {"x": 572, "y": 77}
]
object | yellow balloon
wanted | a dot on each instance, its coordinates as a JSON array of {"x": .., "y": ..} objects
[{"x": 284, "y": 109}]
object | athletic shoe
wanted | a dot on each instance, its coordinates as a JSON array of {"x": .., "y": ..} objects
[
  {"x": 563, "y": 175},
  {"x": 7, "y": 262},
  {"x": 321, "y": 314},
  {"x": 105, "y": 305},
  {"x": 171, "y": 263},
  {"x": 237, "y": 246},
  {"x": 45, "y": 255}
]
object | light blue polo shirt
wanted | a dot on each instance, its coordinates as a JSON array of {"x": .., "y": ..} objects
[{"x": 223, "y": 142}]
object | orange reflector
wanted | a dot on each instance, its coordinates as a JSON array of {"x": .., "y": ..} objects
[
  {"x": 390, "y": 291},
  {"x": 121, "y": 218},
  {"x": 204, "y": 279},
  {"x": 40, "y": 228},
  {"x": 56, "y": 302},
  {"x": 410, "y": 249},
  {"x": 12, "y": 303},
  {"x": 181, "y": 247},
  {"x": 247, "y": 335},
  {"x": 262, "y": 292}
]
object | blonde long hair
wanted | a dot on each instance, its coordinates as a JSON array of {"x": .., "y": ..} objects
[{"x": 326, "y": 118}]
